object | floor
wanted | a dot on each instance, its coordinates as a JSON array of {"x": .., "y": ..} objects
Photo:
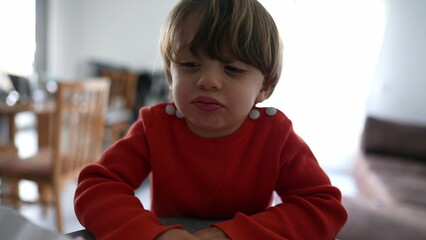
[{"x": 26, "y": 140}]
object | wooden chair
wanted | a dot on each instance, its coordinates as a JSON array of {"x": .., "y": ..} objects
[
  {"x": 122, "y": 99},
  {"x": 77, "y": 140},
  {"x": 8, "y": 152}
]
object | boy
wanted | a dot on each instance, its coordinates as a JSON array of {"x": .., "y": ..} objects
[{"x": 212, "y": 153}]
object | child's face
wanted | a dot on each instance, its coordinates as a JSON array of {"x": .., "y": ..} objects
[{"x": 214, "y": 96}]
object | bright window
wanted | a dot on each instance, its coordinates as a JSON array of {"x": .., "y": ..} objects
[
  {"x": 17, "y": 36},
  {"x": 331, "y": 50}
]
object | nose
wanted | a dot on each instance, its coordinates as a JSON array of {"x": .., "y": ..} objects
[{"x": 210, "y": 79}]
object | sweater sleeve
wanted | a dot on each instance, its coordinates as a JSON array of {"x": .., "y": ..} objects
[
  {"x": 311, "y": 207},
  {"x": 105, "y": 202}
]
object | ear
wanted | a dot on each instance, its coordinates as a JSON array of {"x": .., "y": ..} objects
[{"x": 263, "y": 94}]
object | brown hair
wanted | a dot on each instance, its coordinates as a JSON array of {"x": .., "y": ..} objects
[{"x": 243, "y": 27}]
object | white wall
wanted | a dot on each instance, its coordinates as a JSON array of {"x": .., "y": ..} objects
[
  {"x": 399, "y": 86},
  {"x": 123, "y": 32}
]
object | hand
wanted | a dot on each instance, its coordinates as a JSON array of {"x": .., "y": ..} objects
[
  {"x": 176, "y": 234},
  {"x": 211, "y": 233}
]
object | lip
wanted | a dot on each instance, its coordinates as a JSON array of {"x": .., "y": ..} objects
[{"x": 207, "y": 104}]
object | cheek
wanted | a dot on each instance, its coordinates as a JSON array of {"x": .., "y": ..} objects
[
  {"x": 173, "y": 86},
  {"x": 252, "y": 93},
  {"x": 179, "y": 89},
  {"x": 243, "y": 99},
  {"x": 173, "y": 90}
]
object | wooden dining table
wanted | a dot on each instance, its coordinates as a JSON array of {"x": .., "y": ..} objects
[{"x": 44, "y": 110}]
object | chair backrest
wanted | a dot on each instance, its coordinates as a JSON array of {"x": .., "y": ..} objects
[
  {"x": 79, "y": 124},
  {"x": 123, "y": 87}
]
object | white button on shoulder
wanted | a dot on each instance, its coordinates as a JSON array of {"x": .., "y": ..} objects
[
  {"x": 271, "y": 111},
  {"x": 254, "y": 114},
  {"x": 170, "y": 109}
]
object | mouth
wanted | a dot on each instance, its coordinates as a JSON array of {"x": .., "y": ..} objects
[{"x": 207, "y": 104}]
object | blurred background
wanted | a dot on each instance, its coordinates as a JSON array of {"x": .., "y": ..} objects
[{"x": 345, "y": 61}]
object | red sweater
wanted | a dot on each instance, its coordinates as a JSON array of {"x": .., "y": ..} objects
[{"x": 229, "y": 177}]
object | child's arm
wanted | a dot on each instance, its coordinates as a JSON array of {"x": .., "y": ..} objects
[
  {"x": 311, "y": 207},
  {"x": 104, "y": 200}
]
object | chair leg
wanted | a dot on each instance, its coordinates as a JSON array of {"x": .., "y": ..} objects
[
  {"x": 3, "y": 192},
  {"x": 10, "y": 193},
  {"x": 58, "y": 208},
  {"x": 16, "y": 199},
  {"x": 45, "y": 194}
]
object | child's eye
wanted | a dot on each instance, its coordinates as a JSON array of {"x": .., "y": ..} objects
[
  {"x": 190, "y": 64},
  {"x": 235, "y": 69}
]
